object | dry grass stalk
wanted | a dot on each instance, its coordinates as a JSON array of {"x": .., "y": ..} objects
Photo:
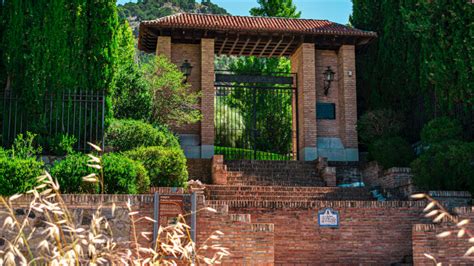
[
  {"x": 436, "y": 211},
  {"x": 65, "y": 242}
]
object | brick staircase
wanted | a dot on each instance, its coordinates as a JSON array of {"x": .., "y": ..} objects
[
  {"x": 284, "y": 194},
  {"x": 285, "y": 182},
  {"x": 273, "y": 173}
]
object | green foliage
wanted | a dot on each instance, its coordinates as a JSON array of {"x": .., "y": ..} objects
[
  {"x": 392, "y": 152},
  {"x": 131, "y": 98},
  {"x": 62, "y": 144},
  {"x": 127, "y": 134},
  {"x": 441, "y": 129},
  {"x": 24, "y": 147},
  {"x": 57, "y": 45},
  {"x": 69, "y": 173},
  {"x": 121, "y": 175},
  {"x": 378, "y": 124},
  {"x": 446, "y": 165},
  {"x": 18, "y": 175},
  {"x": 421, "y": 63},
  {"x": 275, "y": 8},
  {"x": 173, "y": 102},
  {"x": 166, "y": 166}
]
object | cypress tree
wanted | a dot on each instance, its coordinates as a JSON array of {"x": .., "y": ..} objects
[{"x": 422, "y": 61}]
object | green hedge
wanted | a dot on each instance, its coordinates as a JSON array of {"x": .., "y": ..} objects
[
  {"x": 392, "y": 152},
  {"x": 121, "y": 175},
  {"x": 18, "y": 175},
  {"x": 127, "y": 134},
  {"x": 441, "y": 129},
  {"x": 166, "y": 166},
  {"x": 448, "y": 165}
]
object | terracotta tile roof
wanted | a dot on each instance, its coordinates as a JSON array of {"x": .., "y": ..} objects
[{"x": 257, "y": 24}]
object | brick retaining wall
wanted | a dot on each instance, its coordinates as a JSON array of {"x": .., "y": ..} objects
[{"x": 282, "y": 233}]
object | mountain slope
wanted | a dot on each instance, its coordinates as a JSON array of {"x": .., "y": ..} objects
[{"x": 153, "y": 9}]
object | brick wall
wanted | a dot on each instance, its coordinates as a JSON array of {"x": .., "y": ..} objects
[
  {"x": 192, "y": 53},
  {"x": 207, "y": 90},
  {"x": 325, "y": 58},
  {"x": 249, "y": 243},
  {"x": 347, "y": 96},
  {"x": 303, "y": 63},
  {"x": 376, "y": 233},
  {"x": 200, "y": 169},
  {"x": 448, "y": 251}
]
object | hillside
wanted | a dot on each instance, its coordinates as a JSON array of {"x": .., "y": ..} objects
[{"x": 152, "y": 9}]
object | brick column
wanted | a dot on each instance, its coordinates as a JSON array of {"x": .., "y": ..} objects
[
  {"x": 348, "y": 101},
  {"x": 207, "y": 98},
  {"x": 163, "y": 46},
  {"x": 303, "y": 64}
]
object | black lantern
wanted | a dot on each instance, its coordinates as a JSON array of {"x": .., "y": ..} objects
[
  {"x": 186, "y": 68},
  {"x": 328, "y": 78}
]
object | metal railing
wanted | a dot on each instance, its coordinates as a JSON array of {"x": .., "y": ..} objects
[{"x": 78, "y": 113}]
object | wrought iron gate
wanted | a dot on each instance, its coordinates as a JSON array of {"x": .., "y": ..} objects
[{"x": 255, "y": 116}]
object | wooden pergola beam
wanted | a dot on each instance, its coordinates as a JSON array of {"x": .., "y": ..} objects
[
  {"x": 276, "y": 47},
  {"x": 245, "y": 46},
  {"x": 266, "y": 46},
  {"x": 255, "y": 46},
  {"x": 287, "y": 46},
  {"x": 222, "y": 47},
  {"x": 233, "y": 46}
]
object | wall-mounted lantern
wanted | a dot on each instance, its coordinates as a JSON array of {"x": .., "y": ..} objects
[
  {"x": 186, "y": 69},
  {"x": 328, "y": 78}
]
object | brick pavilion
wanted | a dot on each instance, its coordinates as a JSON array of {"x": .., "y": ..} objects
[{"x": 324, "y": 120}]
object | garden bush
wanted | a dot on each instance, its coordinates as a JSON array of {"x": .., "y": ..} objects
[
  {"x": 166, "y": 166},
  {"x": 441, "y": 129},
  {"x": 125, "y": 134},
  {"x": 447, "y": 165},
  {"x": 18, "y": 175},
  {"x": 121, "y": 175},
  {"x": 391, "y": 152},
  {"x": 378, "y": 124}
]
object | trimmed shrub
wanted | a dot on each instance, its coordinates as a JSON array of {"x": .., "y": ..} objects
[
  {"x": 448, "y": 165},
  {"x": 441, "y": 129},
  {"x": 392, "y": 152},
  {"x": 127, "y": 134},
  {"x": 378, "y": 124},
  {"x": 18, "y": 175},
  {"x": 121, "y": 175},
  {"x": 166, "y": 166}
]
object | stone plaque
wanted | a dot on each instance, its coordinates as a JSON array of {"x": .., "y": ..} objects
[{"x": 328, "y": 218}]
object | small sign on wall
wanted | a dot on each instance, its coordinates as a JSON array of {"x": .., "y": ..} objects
[{"x": 328, "y": 218}]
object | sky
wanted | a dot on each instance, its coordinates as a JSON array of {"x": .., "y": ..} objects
[{"x": 333, "y": 10}]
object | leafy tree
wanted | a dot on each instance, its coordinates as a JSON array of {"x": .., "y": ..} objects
[
  {"x": 131, "y": 98},
  {"x": 276, "y": 8},
  {"x": 173, "y": 103}
]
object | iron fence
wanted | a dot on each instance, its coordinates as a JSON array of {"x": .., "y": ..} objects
[
  {"x": 78, "y": 113},
  {"x": 255, "y": 117}
]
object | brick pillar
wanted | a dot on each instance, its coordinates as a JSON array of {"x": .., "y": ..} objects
[
  {"x": 163, "y": 46},
  {"x": 303, "y": 64},
  {"x": 207, "y": 98},
  {"x": 348, "y": 100}
]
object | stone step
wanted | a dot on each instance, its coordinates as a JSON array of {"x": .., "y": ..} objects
[
  {"x": 292, "y": 198},
  {"x": 275, "y": 183},
  {"x": 286, "y": 193}
]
